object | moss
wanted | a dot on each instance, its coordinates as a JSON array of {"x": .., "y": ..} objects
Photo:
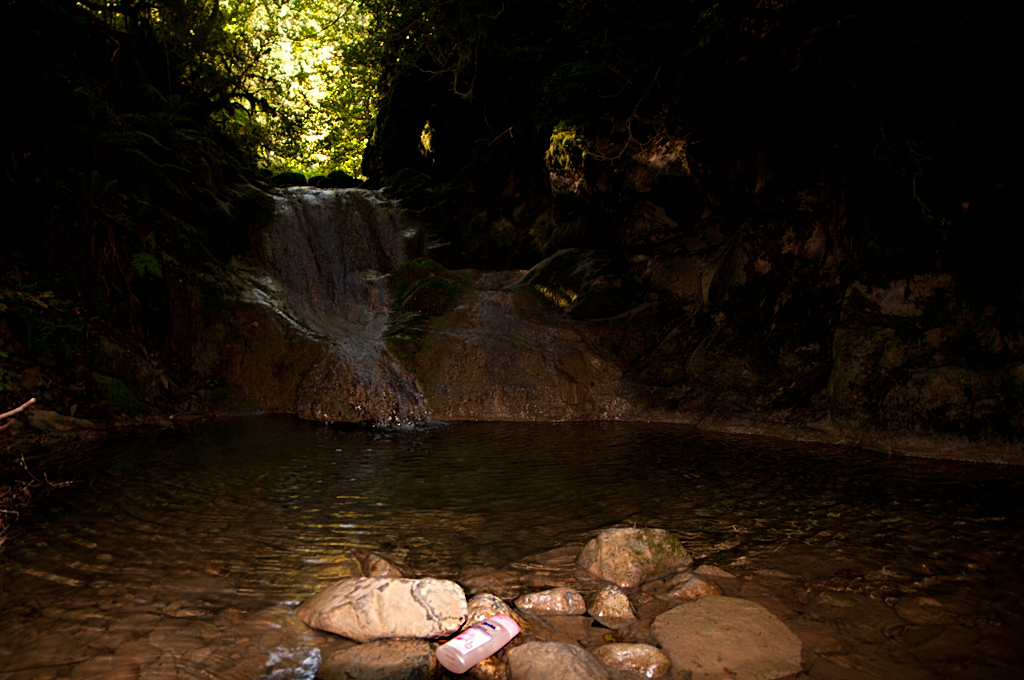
[
  {"x": 419, "y": 289},
  {"x": 433, "y": 296},
  {"x": 228, "y": 399},
  {"x": 118, "y": 394},
  {"x": 412, "y": 271}
]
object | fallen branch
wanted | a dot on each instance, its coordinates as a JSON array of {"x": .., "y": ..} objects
[
  {"x": 15, "y": 411},
  {"x": 19, "y": 409}
]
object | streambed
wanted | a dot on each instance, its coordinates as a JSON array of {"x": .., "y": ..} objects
[{"x": 183, "y": 555}]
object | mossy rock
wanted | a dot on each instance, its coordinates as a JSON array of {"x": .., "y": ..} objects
[
  {"x": 587, "y": 284},
  {"x": 118, "y": 394},
  {"x": 289, "y": 179},
  {"x": 433, "y": 295},
  {"x": 342, "y": 180},
  {"x": 412, "y": 271}
]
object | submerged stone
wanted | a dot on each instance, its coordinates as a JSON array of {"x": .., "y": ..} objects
[
  {"x": 367, "y": 609},
  {"x": 550, "y": 660},
  {"x": 382, "y": 660},
  {"x": 718, "y": 637},
  {"x": 689, "y": 587}
]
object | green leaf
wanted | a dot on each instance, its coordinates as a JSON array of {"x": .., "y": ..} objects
[{"x": 147, "y": 265}]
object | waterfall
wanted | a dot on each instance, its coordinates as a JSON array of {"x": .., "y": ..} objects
[{"x": 324, "y": 262}]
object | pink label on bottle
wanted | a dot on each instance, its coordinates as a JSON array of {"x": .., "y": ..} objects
[{"x": 470, "y": 639}]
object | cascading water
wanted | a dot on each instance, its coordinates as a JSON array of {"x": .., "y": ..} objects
[{"x": 325, "y": 259}]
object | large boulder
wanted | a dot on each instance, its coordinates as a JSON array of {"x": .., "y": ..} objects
[
  {"x": 367, "y": 609},
  {"x": 718, "y": 637},
  {"x": 629, "y": 556},
  {"x": 550, "y": 660},
  {"x": 382, "y": 660}
]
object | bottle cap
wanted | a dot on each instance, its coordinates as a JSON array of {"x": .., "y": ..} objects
[{"x": 507, "y": 622}]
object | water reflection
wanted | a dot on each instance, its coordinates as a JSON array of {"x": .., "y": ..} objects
[{"x": 216, "y": 533}]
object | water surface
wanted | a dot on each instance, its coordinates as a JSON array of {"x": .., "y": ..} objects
[{"x": 190, "y": 550}]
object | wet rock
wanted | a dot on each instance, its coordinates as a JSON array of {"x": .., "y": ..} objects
[
  {"x": 831, "y": 606},
  {"x": 484, "y": 606},
  {"x": 690, "y": 587},
  {"x": 480, "y": 362},
  {"x": 611, "y": 608},
  {"x": 382, "y": 660},
  {"x": 367, "y": 609},
  {"x": 373, "y": 565},
  {"x": 924, "y": 611},
  {"x": 718, "y": 637},
  {"x": 628, "y": 556},
  {"x": 561, "y": 601},
  {"x": 570, "y": 629},
  {"x": 491, "y": 668},
  {"x": 550, "y": 660},
  {"x": 51, "y": 421},
  {"x": 711, "y": 571},
  {"x": 645, "y": 660},
  {"x": 500, "y": 582}
]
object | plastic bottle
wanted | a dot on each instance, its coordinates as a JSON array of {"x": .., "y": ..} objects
[{"x": 476, "y": 643}]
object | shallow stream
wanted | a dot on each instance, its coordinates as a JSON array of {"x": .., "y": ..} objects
[{"x": 183, "y": 555}]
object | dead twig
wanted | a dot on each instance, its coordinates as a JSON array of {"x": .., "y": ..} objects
[{"x": 18, "y": 410}]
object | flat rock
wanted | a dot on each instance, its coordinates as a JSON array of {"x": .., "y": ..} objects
[
  {"x": 51, "y": 421},
  {"x": 367, "y": 609},
  {"x": 727, "y": 638},
  {"x": 382, "y": 660},
  {"x": 629, "y": 556},
  {"x": 553, "y": 661},
  {"x": 561, "y": 601}
]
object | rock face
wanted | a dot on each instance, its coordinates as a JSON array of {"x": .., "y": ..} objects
[
  {"x": 497, "y": 356},
  {"x": 686, "y": 334},
  {"x": 718, "y": 637},
  {"x": 627, "y": 556},
  {"x": 366, "y": 609},
  {"x": 550, "y": 660},
  {"x": 304, "y": 324},
  {"x": 382, "y": 660}
]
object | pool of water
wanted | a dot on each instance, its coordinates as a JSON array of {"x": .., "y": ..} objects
[{"x": 183, "y": 555}]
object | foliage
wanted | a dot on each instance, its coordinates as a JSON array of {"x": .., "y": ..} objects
[
  {"x": 51, "y": 327},
  {"x": 120, "y": 397},
  {"x": 901, "y": 108}
]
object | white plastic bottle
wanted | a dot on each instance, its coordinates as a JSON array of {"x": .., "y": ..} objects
[{"x": 476, "y": 643}]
